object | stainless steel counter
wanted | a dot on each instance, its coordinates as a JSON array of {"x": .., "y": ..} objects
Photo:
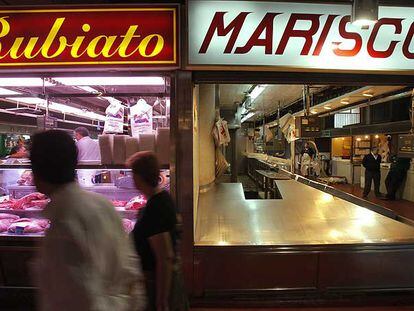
[{"x": 305, "y": 216}]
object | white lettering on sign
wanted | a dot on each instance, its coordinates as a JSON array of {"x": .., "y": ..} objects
[{"x": 298, "y": 35}]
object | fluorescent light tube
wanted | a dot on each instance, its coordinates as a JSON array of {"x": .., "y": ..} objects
[
  {"x": 23, "y": 82},
  {"x": 85, "y": 81}
]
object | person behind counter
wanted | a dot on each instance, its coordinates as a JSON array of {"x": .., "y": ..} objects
[
  {"x": 372, "y": 162},
  {"x": 309, "y": 150},
  {"x": 88, "y": 149},
  {"x": 155, "y": 235},
  {"x": 396, "y": 175},
  {"x": 85, "y": 261}
]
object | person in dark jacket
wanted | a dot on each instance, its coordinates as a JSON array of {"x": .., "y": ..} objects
[
  {"x": 156, "y": 237},
  {"x": 396, "y": 175},
  {"x": 372, "y": 162}
]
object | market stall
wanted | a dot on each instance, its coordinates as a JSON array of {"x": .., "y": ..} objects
[
  {"x": 308, "y": 229},
  {"x": 121, "y": 91}
]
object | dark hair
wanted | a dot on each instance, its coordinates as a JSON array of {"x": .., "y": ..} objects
[
  {"x": 82, "y": 131},
  {"x": 54, "y": 156},
  {"x": 145, "y": 165}
]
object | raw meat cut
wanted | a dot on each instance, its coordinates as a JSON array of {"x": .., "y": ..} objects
[
  {"x": 4, "y": 224},
  {"x": 128, "y": 225},
  {"x": 44, "y": 223},
  {"x": 8, "y": 216},
  {"x": 7, "y": 204},
  {"x": 23, "y": 202},
  {"x": 13, "y": 227},
  {"x": 29, "y": 225},
  {"x": 135, "y": 203},
  {"x": 119, "y": 203},
  {"x": 40, "y": 204}
]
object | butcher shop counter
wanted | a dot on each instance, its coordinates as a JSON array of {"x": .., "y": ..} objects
[
  {"x": 18, "y": 242},
  {"x": 309, "y": 241}
]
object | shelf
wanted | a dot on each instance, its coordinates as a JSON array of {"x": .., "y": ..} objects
[
  {"x": 83, "y": 166},
  {"x": 23, "y": 212}
]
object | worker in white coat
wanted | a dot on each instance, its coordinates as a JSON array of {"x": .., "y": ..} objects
[{"x": 88, "y": 149}]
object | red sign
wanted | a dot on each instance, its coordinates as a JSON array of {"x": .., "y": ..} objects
[{"x": 144, "y": 36}]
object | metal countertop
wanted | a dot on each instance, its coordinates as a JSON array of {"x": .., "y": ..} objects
[{"x": 305, "y": 216}]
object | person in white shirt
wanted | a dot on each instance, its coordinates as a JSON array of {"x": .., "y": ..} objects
[
  {"x": 88, "y": 149},
  {"x": 86, "y": 260}
]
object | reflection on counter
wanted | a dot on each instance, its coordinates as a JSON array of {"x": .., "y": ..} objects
[{"x": 304, "y": 216}]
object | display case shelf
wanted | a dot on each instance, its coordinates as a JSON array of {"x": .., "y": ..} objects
[{"x": 82, "y": 166}]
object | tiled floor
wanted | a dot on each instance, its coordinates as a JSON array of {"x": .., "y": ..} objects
[{"x": 401, "y": 207}]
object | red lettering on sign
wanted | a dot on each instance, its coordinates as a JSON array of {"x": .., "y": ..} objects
[
  {"x": 324, "y": 34},
  {"x": 407, "y": 42},
  {"x": 396, "y": 22},
  {"x": 350, "y": 36},
  {"x": 266, "y": 25},
  {"x": 290, "y": 32},
  {"x": 218, "y": 24}
]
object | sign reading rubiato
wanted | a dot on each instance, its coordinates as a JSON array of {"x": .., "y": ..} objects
[
  {"x": 298, "y": 36},
  {"x": 139, "y": 36}
]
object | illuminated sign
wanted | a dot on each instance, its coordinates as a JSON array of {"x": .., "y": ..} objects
[
  {"x": 298, "y": 35},
  {"x": 141, "y": 36}
]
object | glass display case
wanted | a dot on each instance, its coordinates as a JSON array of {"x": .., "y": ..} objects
[{"x": 21, "y": 205}]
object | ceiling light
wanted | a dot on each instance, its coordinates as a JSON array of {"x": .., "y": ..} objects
[
  {"x": 364, "y": 12},
  {"x": 377, "y": 136},
  {"x": 59, "y": 107},
  {"x": 314, "y": 112},
  {"x": 327, "y": 107},
  {"x": 368, "y": 94},
  {"x": 111, "y": 80},
  {"x": 366, "y": 136},
  {"x": 258, "y": 89},
  {"x": 24, "y": 82},
  {"x": 345, "y": 101},
  {"x": 359, "y": 139}
]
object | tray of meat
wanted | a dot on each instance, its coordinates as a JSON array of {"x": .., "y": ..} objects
[
  {"x": 28, "y": 225},
  {"x": 8, "y": 216},
  {"x": 7, "y": 203},
  {"x": 135, "y": 203},
  {"x": 35, "y": 199},
  {"x": 119, "y": 203},
  {"x": 5, "y": 224},
  {"x": 128, "y": 225},
  {"x": 36, "y": 204}
]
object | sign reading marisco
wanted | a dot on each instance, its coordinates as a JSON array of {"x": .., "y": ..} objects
[
  {"x": 143, "y": 36},
  {"x": 315, "y": 36}
]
